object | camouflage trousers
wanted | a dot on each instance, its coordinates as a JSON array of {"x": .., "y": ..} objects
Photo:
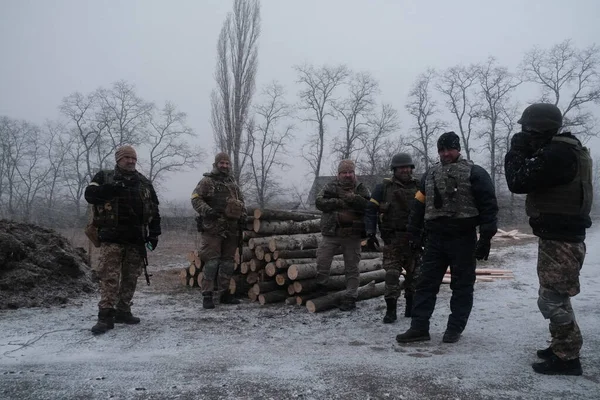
[
  {"x": 118, "y": 270},
  {"x": 398, "y": 257},
  {"x": 558, "y": 269},
  {"x": 217, "y": 254},
  {"x": 351, "y": 253}
]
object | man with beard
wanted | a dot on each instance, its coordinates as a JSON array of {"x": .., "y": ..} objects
[
  {"x": 391, "y": 201},
  {"x": 219, "y": 202},
  {"x": 455, "y": 197},
  {"x": 555, "y": 171},
  {"x": 343, "y": 202},
  {"x": 125, "y": 216}
]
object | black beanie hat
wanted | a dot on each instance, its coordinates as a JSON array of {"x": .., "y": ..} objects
[{"x": 448, "y": 140}]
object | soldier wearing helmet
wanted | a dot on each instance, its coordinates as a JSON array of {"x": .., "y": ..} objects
[
  {"x": 389, "y": 208},
  {"x": 555, "y": 171},
  {"x": 455, "y": 197}
]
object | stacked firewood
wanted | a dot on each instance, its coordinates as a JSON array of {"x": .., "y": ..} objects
[
  {"x": 279, "y": 263},
  {"x": 484, "y": 275},
  {"x": 192, "y": 275}
]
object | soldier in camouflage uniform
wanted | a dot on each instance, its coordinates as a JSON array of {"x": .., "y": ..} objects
[
  {"x": 455, "y": 196},
  {"x": 555, "y": 171},
  {"x": 125, "y": 217},
  {"x": 391, "y": 202},
  {"x": 219, "y": 202},
  {"x": 343, "y": 202}
]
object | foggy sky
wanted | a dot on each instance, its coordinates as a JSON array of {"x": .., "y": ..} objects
[{"x": 167, "y": 49}]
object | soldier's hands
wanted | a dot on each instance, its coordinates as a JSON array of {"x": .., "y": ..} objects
[
  {"x": 482, "y": 249},
  {"x": 152, "y": 242},
  {"x": 521, "y": 141}
]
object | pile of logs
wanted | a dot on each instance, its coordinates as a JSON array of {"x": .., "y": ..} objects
[
  {"x": 485, "y": 275},
  {"x": 192, "y": 275}
]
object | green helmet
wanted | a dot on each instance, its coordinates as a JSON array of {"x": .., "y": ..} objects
[
  {"x": 402, "y": 160},
  {"x": 542, "y": 118}
]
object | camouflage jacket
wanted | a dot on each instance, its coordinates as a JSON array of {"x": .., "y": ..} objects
[
  {"x": 343, "y": 209},
  {"x": 210, "y": 198}
]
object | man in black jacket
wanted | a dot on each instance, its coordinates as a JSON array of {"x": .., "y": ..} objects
[
  {"x": 555, "y": 171},
  {"x": 455, "y": 197},
  {"x": 126, "y": 216}
]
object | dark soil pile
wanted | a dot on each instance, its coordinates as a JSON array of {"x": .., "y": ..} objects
[{"x": 39, "y": 267}]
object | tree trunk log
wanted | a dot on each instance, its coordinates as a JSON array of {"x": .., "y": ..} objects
[
  {"x": 295, "y": 242},
  {"x": 304, "y": 297},
  {"x": 291, "y": 290},
  {"x": 281, "y": 279},
  {"x": 251, "y": 295},
  {"x": 287, "y": 227},
  {"x": 306, "y": 271},
  {"x": 247, "y": 255},
  {"x": 184, "y": 276},
  {"x": 338, "y": 282},
  {"x": 245, "y": 267},
  {"x": 286, "y": 262},
  {"x": 268, "y": 257},
  {"x": 264, "y": 287},
  {"x": 260, "y": 251},
  {"x": 283, "y": 215},
  {"x": 271, "y": 269},
  {"x": 238, "y": 285},
  {"x": 252, "y": 277},
  {"x": 290, "y": 301},
  {"x": 368, "y": 291},
  {"x": 257, "y": 265},
  {"x": 273, "y": 297}
]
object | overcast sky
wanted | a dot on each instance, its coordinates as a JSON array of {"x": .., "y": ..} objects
[{"x": 167, "y": 49}]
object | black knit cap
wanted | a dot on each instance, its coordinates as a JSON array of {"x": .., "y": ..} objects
[{"x": 448, "y": 140}]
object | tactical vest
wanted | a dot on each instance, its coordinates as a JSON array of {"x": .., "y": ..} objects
[
  {"x": 449, "y": 193},
  {"x": 396, "y": 205},
  {"x": 223, "y": 189},
  {"x": 574, "y": 198},
  {"x": 106, "y": 215}
]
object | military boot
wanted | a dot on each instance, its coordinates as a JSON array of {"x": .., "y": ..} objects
[
  {"x": 390, "y": 313},
  {"x": 228, "y": 298},
  {"x": 408, "y": 306},
  {"x": 347, "y": 304},
  {"x": 413, "y": 335},
  {"x": 105, "y": 321},
  {"x": 207, "y": 300},
  {"x": 545, "y": 354},
  {"x": 125, "y": 317},
  {"x": 556, "y": 366}
]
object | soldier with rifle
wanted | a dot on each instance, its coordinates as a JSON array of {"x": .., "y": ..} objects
[
  {"x": 389, "y": 208},
  {"x": 125, "y": 218},
  {"x": 221, "y": 211}
]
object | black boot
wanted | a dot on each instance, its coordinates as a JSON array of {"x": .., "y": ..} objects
[
  {"x": 228, "y": 298},
  {"x": 545, "y": 354},
  {"x": 105, "y": 322},
  {"x": 408, "y": 307},
  {"x": 413, "y": 335},
  {"x": 556, "y": 366},
  {"x": 347, "y": 303},
  {"x": 125, "y": 317},
  {"x": 390, "y": 313},
  {"x": 207, "y": 300},
  {"x": 451, "y": 337}
]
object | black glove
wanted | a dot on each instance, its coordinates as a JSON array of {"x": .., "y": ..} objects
[
  {"x": 521, "y": 142},
  {"x": 482, "y": 249},
  {"x": 152, "y": 242},
  {"x": 373, "y": 243}
]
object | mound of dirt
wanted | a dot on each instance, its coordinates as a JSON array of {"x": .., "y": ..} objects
[{"x": 39, "y": 267}]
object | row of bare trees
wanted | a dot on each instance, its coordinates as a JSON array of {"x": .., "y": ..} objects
[{"x": 44, "y": 169}]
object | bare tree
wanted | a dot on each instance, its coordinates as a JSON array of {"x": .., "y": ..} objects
[
  {"x": 496, "y": 86},
  {"x": 123, "y": 114},
  {"x": 569, "y": 78},
  {"x": 237, "y": 62},
  {"x": 167, "y": 139},
  {"x": 457, "y": 84},
  {"x": 268, "y": 143},
  {"x": 56, "y": 147},
  {"x": 316, "y": 97},
  {"x": 427, "y": 126},
  {"x": 377, "y": 144},
  {"x": 355, "y": 111}
]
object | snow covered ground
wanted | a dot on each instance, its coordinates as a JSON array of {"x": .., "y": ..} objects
[{"x": 180, "y": 351}]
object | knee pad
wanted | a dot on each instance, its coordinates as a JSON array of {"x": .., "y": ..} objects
[
  {"x": 555, "y": 307},
  {"x": 392, "y": 277}
]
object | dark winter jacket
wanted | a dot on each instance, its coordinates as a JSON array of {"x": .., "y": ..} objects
[
  {"x": 125, "y": 206},
  {"x": 553, "y": 165}
]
